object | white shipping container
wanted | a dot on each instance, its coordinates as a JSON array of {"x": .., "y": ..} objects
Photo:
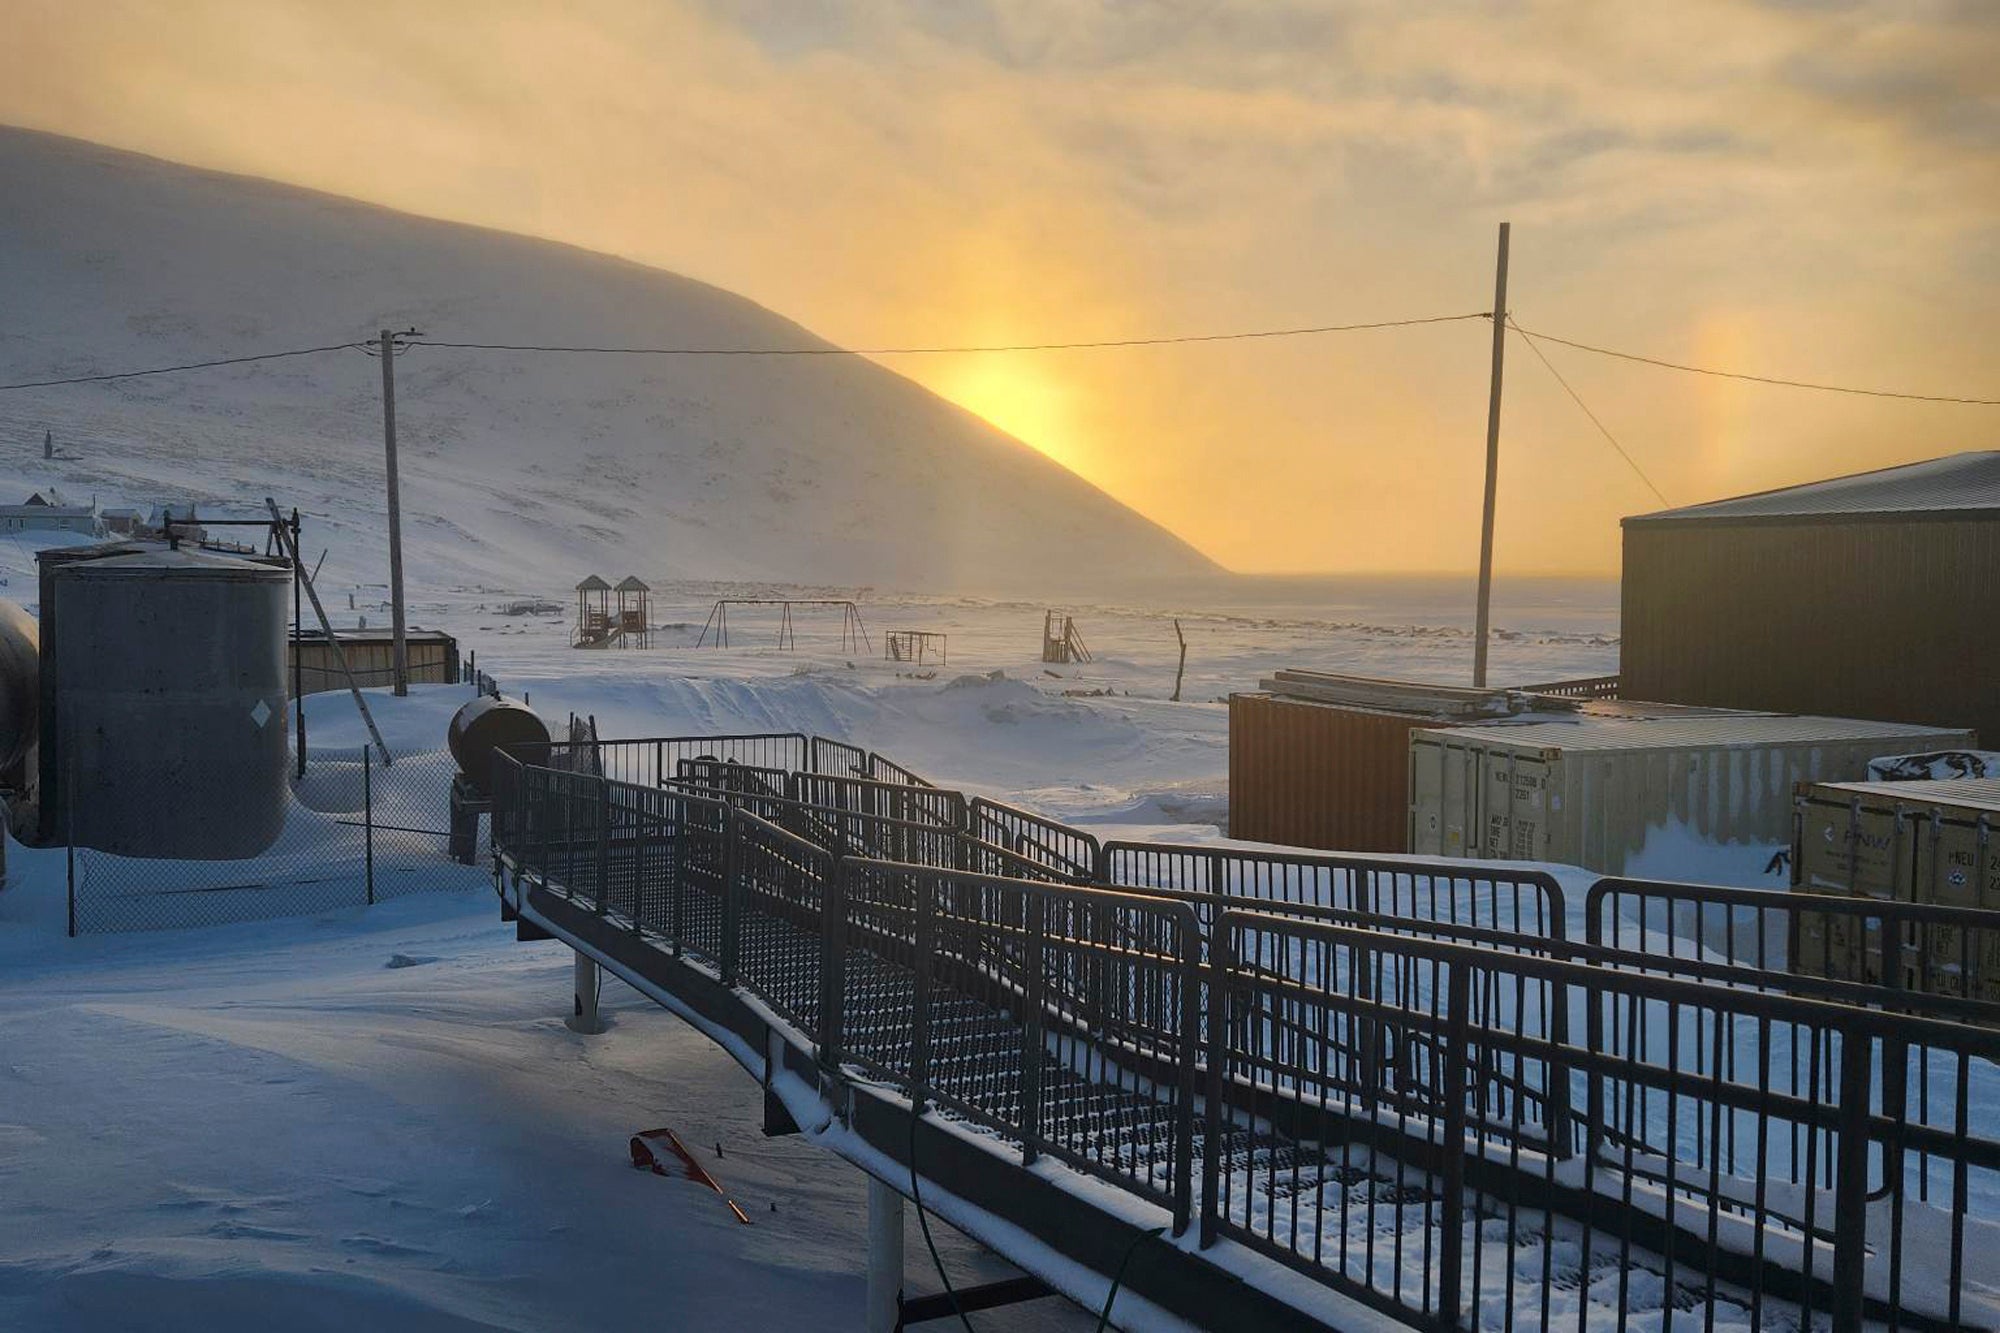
[{"x": 1589, "y": 790}]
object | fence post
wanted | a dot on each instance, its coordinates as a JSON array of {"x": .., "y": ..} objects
[
  {"x": 832, "y": 963},
  {"x": 640, "y": 814},
  {"x": 1451, "y": 1227},
  {"x": 1190, "y": 1054},
  {"x": 368, "y": 824},
  {"x": 731, "y": 899},
  {"x": 1850, "y": 1215},
  {"x": 603, "y": 844},
  {"x": 1219, "y": 961},
  {"x": 1031, "y": 1028},
  {"x": 920, "y": 1028},
  {"x": 69, "y": 841}
]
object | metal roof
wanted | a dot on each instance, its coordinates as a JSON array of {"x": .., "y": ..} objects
[
  {"x": 593, "y": 584},
  {"x": 1959, "y": 484},
  {"x": 631, "y": 583},
  {"x": 1583, "y": 733},
  {"x": 1973, "y": 793}
]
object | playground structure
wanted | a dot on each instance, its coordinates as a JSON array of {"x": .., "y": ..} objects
[
  {"x": 1061, "y": 640},
  {"x": 852, "y": 632},
  {"x": 915, "y": 645},
  {"x": 598, "y": 625}
]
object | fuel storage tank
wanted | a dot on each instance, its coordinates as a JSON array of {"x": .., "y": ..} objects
[
  {"x": 20, "y": 690},
  {"x": 165, "y": 673},
  {"x": 484, "y": 727}
]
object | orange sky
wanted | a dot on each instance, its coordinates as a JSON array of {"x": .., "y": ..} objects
[{"x": 1798, "y": 189}]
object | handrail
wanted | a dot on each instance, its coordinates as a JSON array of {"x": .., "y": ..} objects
[{"x": 1477, "y": 1046}]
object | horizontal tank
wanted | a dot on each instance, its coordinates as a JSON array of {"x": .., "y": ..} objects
[
  {"x": 168, "y": 671},
  {"x": 20, "y": 685},
  {"x": 486, "y": 725}
]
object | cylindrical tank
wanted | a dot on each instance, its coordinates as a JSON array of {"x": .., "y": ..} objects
[
  {"x": 170, "y": 704},
  {"x": 20, "y": 684},
  {"x": 484, "y": 726}
]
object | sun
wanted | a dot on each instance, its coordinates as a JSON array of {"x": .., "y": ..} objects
[{"x": 1019, "y": 397}]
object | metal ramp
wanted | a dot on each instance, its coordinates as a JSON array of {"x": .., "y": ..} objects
[{"x": 1445, "y": 1122}]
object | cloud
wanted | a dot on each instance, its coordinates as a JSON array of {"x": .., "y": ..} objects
[{"x": 1810, "y": 189}]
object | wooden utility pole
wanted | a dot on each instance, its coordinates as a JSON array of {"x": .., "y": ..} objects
[
  {"x": 400, "y": 651},
  {"x": 1492, "y": 467}
]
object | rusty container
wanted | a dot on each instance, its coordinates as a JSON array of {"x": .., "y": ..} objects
[{"x": 1312, "y": 774}]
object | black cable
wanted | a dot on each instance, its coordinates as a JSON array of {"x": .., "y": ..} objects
[
  {"x": 1760, "y": 379},
  {"x": 925, "y": 351},
  {"x": 917, "y": 1198},
  {"x": 1118, "y": 1278},
  {"x": 170, "y": 370},
  {"x": 1578, "y": 400}
]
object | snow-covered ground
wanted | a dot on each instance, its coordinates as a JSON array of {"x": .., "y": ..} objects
[{"x": 376, "y": 1116}]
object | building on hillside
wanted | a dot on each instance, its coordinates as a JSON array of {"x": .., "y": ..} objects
[
  {"x": 123, "y": 522},
  {"x": 1867, "y": 596},
  {"x": 48, "y": 511}
]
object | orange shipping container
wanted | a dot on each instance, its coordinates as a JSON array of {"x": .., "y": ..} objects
[{"x": 1311, "y": 774}]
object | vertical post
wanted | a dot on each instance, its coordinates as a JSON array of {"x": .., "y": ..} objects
[
  {"x": 584, "y": 1018},
  {"x": 1492, "y": 465},
  {"x": 69, "y": 840},
  {"x": 1451, "y": 1223},
  {"x": 400, "y": 649},
  {"x": 298, "y": 664},
  {"x": 1850, "y": 1215},
  {"x": 885, "y": 1259},
  {"x": 368, "y": 820},
  {"x": 1220, "y": 949},
  {"x": 1031, "y": 1028},
  {"x": 833, "y": 965}
]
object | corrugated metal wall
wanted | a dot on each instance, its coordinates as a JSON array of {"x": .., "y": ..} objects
[
  {"x": 431, "y": 662},
  {"x": 1895, "y": 621},
  {"x": 1319, "y": 775}
]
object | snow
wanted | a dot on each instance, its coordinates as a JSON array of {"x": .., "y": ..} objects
[
  {"x": 511, "y": 465},
  {"x": 303, "y": 1120},
  {"x": 375, "y": 1117}
]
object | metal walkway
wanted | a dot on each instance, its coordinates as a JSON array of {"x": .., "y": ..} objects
[{"x": 1430, "y": 1113}]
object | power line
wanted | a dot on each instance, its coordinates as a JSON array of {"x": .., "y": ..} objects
[
  {"x": 1758, "y": 379},
  {"x": 942, "y": 350},
  {"x": 170, "y": 370},
  {"x": 1578, "y": 400}
]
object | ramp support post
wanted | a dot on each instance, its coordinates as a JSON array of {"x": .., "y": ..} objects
[
  {"x": 885, "y": 1258},
  {"x": 584, "y": 1017}
]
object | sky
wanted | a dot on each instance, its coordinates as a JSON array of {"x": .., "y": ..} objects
[{"x": 1805, "y": 189}]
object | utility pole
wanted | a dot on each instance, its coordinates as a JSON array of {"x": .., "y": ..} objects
[
  {"x": 400, "y": 650},
  {"x": 1485, "y": 617}
]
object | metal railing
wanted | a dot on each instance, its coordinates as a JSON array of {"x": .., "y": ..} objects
[
  {"x": 1375, "y": 1083},
  {"x": 1526, "y": 904},
  {"x": 1413, "y": 1086},
  {"x": 1061, "y": 850}
]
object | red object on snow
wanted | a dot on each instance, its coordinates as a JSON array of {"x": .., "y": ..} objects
[{"x": 646, "y": 1158}]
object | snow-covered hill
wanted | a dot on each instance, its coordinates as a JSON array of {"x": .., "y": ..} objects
[{"x": 518, "y": 470}]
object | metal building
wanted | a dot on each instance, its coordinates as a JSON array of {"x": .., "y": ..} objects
[{"x": 1869, "y": 596}]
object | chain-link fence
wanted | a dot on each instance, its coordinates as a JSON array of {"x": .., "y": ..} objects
[{"x": 358, "y": 831}]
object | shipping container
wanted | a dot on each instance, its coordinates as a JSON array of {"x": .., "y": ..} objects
[
  {"x": 1591, "y": 790},
  {"x": 1323, "y": 760},
  {"x": 1921, "y": 842},
  {"x": 1311, "y": 774},
  {"x": 430, "y": 657}
]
